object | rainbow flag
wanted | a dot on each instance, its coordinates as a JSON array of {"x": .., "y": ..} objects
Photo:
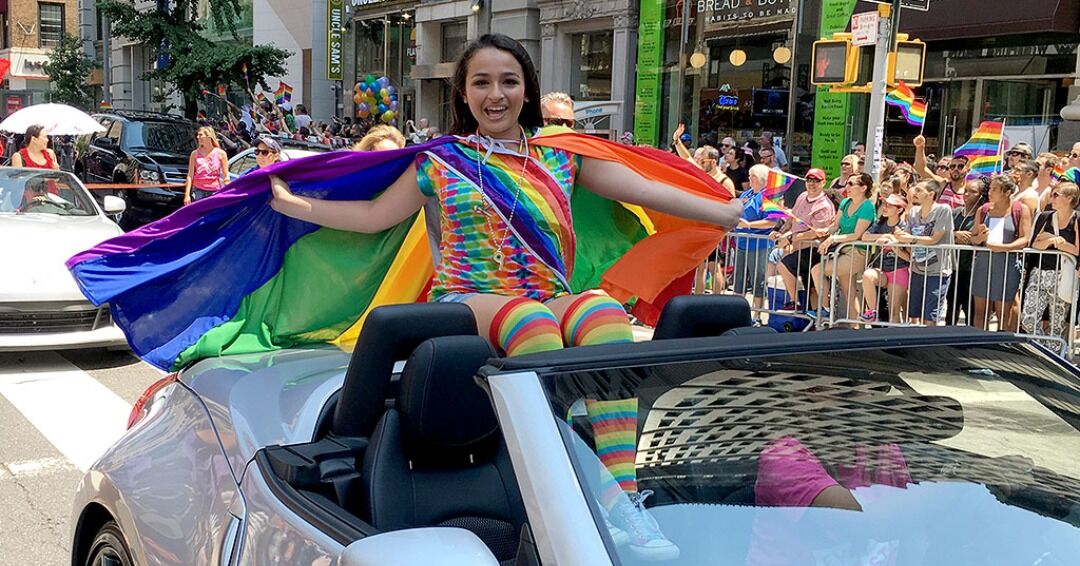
[
  {"x": 254, "y": 280},
  {"x": 777, "y": 183},
  {"x": 773, "y": 210},
  {"x": 243, "y": 68},
  {"x": 913, "y": 109},
  {"x": 1059, "y": 170},
  {"x": 983, "y": 150},
  {"x": 221, "y": 91},
  {"x": 283, "y": 93}
]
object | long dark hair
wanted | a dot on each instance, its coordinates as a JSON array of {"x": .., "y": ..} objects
[
  {"x": 463, "y": 121},
  {"x": 32, "y": 132}
]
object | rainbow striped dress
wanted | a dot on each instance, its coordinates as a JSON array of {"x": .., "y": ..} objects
[{"x": 488, "y": 211}]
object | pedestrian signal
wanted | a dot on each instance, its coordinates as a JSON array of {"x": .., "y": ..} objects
[
  {"x": 836, "y": 62},
  {"x": 907, "y": 62}
]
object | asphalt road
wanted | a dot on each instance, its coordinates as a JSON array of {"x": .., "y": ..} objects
[{"x": 58, "y": 411}]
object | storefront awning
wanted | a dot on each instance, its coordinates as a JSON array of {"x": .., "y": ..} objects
[{"x": 956, "y": 19}]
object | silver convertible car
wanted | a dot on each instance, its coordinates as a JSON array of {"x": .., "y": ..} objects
[
  {"x": 887, "y": 446},
  {"x": 45, "y": 218}
]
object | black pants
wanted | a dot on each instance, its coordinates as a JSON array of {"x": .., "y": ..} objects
[{"x": 959, "y": 296}]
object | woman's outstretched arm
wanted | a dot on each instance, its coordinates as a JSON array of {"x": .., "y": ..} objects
[
  {"x": 389, "y": 209},
  {"x": 618, "y": 182}
]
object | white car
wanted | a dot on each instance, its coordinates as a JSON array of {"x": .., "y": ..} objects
[
  {"x": 245, "y": 160},
  {"x": 45, "y": 218}
]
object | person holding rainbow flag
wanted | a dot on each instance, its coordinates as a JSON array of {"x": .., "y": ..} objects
[{"x": 519, "y": 240}]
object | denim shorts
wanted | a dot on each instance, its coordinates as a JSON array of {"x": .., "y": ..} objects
[{"x": 926, "y": 298}]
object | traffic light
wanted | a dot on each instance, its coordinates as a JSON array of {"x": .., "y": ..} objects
[
  {"x": 836, "y": 61},
  {"x": 907, "y": 62}
]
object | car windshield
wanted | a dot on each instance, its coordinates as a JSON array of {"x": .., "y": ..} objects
[
  {"x": 932, "y": 455},
  {"x": 35, "y": 191},
  {"x": 160, "y": 137}
]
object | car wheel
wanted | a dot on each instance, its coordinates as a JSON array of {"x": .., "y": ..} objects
[{"x": 108, "y": 548}]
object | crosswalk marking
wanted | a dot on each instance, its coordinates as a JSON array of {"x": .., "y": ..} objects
[
  {"x": 31, "y": 468},
  {"x": 72, "y": 410}
]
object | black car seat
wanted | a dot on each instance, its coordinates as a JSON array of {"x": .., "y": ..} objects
[
  {"x": 695, "y": 316},
  {"x": 437, "y": 458},
  {"x": 389, "y": 335}
]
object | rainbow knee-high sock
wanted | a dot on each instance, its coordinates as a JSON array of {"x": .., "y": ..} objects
[
  {"x": 596, "y": 319},
  {"x": 614, "y": 426},
  {"x": 524, "y": 326}
]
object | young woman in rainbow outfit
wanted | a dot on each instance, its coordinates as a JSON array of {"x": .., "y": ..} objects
[{"x": 506, "y": 241}]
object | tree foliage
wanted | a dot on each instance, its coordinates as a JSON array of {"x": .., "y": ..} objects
[
  {"x": 187, "y": 60},
  {"x": 68, "y": 69}
]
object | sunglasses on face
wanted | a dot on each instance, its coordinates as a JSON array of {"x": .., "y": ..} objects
[
  {"x": 1074, "y": 155},
  {"x": 559, "y": 122},
  {"x": 1015, "y": 154},
  {"x": 264, "y": 152},
  {"x": 956, "y": 167},
  {"x": 862, "y": 162}
]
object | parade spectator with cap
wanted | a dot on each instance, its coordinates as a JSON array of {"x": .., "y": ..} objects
[
  {"x": 627, "y": 138},
  {"x": 1020, "y": 151},
  {"x": 951, "y": 180},
  {"x": 889, "y": 267},
  {"x": 267, "y": 152},
  {"x": 810, "y": 219}
]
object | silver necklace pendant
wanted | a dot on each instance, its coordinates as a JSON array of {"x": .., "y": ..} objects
[{"x": 499, "y": 258}]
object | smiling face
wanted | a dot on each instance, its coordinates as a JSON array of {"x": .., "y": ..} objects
[
  {"x": 495, "y": 92},
  {"x": 264, "y": 156}
]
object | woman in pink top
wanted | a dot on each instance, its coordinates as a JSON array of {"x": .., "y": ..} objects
[{"x": 208, "y": 167}]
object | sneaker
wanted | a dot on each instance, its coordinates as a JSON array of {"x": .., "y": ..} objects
[
  {"x": 868, "y": 316},
  {"x": 789, "y": 306},
  {"x": 618, "y": 536},
  {"x": 646, "y": 541},
  {"x": 813, "y": 313}
]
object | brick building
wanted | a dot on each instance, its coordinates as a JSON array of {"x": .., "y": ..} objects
[{"x": 28, "y": 30}]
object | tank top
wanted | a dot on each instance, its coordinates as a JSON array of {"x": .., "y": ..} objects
[
  {"x": 30, "y": 163},
  {"x": 207, "y": 175},
  {"x": 539, "y": 251}
]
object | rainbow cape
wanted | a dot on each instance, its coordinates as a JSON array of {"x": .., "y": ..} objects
[
  {"x": 913, "y": 109},
  {"x": 229, "y": 275},
  {"x": 983, "y": 150}
]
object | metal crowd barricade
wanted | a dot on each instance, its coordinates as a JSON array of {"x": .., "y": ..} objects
[
  {"x": 747, "y": 264},
  {"x": 1036, "y": 290}
]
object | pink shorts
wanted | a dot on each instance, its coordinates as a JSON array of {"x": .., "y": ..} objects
[{"x": 900, "y": 277}]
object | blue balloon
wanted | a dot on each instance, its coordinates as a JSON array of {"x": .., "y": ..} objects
[
  {"x": 363, "y": 86},
  {"x": 393, "y": 105},
  {"x": 382, "y": 108},
  {"x": 384, "y": 82},
  {"x": 390, "y": 90}
]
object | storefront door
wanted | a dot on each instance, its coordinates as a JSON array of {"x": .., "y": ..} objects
[
  {"x": 951, "y": 117},
  {"x": 1027, "y": 105}
]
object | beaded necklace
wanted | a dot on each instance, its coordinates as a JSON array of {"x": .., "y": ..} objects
[{"x": 498, "y": 255}]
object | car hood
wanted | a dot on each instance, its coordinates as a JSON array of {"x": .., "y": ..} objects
[
  {"x": 35, "y": 249},
  {"x": 259, "y": 400}
]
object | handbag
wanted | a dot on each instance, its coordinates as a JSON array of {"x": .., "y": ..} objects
[{"x": 1066, "y": 269}]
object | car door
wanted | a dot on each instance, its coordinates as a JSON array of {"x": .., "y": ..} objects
[
  {"x": 100, "y": 155},
  {"x": 111, "y": 154}
]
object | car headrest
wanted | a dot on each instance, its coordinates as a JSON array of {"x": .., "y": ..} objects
[
  {"x": 447, "y": 419},
  {"x": 697, "y": 316},
  {"x": 390, "y": 334}
]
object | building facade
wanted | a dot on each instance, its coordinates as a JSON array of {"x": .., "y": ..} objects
[
  {"x": 597, "y": 42},
  {"x": 30, "y": 29}
]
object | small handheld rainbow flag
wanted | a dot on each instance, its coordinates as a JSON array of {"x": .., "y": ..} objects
[
  {"x": 773, "y": 210},
  {"x": 283, "y": 93},
  {"x": 1059, "y": 171},
  {"x": 913, "y": 109},
  {"x": 243, "y": 68},
  {"x": 983, "y": 150},
  {"x": 777, "y": 183}
]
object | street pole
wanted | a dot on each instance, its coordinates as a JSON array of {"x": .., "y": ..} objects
[
  {"x": 682, "y": 62},
  {"x": 106, "y": 63},
  {"x": 875, "y": 126}
]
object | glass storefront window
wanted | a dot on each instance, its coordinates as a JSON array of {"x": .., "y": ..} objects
[
  {"x": 370, "y": 46},
  {"x": 590, "y": 75},
  {"x": 455, "y": 35}
]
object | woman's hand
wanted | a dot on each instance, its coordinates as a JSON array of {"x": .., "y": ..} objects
[
  {"x": 678, "y": 133},
  {"x": 825, "y": 245}
]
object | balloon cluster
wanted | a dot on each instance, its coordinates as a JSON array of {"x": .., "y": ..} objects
[{"x": 376, "y": 98}]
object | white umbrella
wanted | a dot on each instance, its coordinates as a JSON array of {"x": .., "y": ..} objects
[{"x": 58, "y": 120}]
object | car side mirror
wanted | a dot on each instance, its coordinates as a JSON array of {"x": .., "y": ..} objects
[
  {"x": 430, "y": 546},
  {"x": 104, "y": 143},
  {"x": 113, "y": 204}
]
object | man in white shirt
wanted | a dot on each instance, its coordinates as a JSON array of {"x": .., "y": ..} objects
[
  {"x": 302, "y": 119},
  {"x": 766, "y": 140}
]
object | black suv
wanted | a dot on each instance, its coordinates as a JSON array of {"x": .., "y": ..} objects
[{"x": 140, "y": 147}]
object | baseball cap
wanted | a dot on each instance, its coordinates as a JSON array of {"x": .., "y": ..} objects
[
  {"x": 270, "y": 143},
  {"x": 896, "y": 200},
  {"x": 685, "y": 137},
  {"x": 1021, "y": 147},
  {"x": 816, "y": 173},
  {"x": 627, "y": 136},
  {"x": 285, "y": 106}
]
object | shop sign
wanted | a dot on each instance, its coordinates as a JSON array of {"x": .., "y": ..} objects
[
  {"x": 14, "y": 104},
  {"x": 726, "y": 14},
  {"x": 864, "y": 28},
  {"x": 1013, "y": 51},
  {"x": 32, "y": 67},
  {"x": 831, "y": 109},
  {"x": 335, "y": 13},
  {"x": 650, "y": 62}
]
